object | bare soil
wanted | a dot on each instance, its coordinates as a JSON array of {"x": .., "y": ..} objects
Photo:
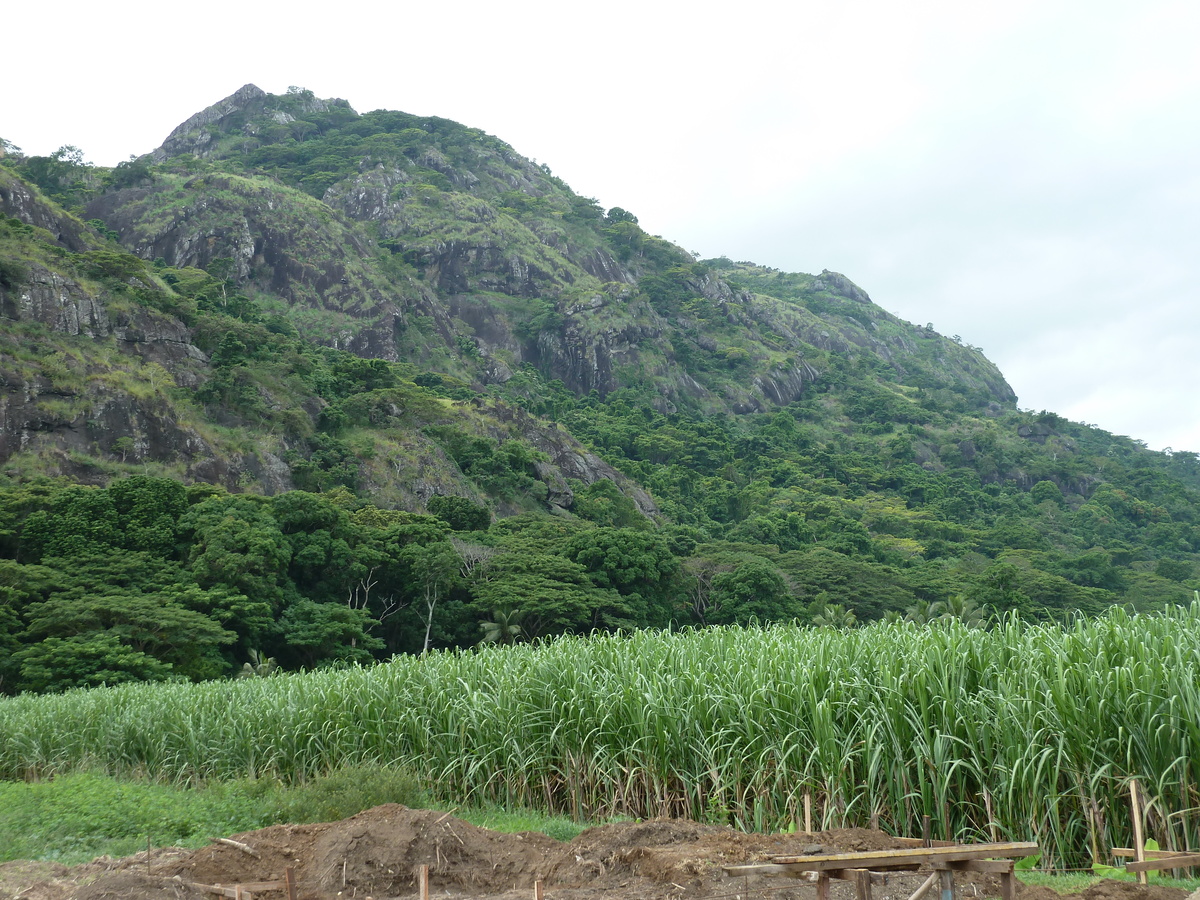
[{"x": 378, "y": 853}]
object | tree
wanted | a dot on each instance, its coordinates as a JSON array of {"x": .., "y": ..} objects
[
  {"x": 259, "y": 666},
  {"x": 752, "y": 590},
  {"x": 922, "y": 612},
  {"x": 316, "y": 633},
  {"x": 235, "y": 542},
  {"x": 835, "y": 616},
  {"x": 551, "y": 594},
  {"x": 503, "y": 628},
  {"x": 434, "y": 569},
  {"x": 86, "y": 660},
  {"x": 700, "y": 572},
  {"x": 637, "y": 564},
  {"x": 965, "y": 610},
  {"x": 617, "y": 215},
  {"x": 460, "y": 513},
  {"x": 148, "y": 605},
  {"x": 149, "y": 510}
]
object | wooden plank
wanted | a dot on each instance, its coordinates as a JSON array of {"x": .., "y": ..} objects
[
  {"x": 289, "y": 882},
  {"x": 232, "y": 891},
  {"x": 796, "y": 872},
  {"x": 1182, "y": 861},
  {"x": 423, "y": 882},
  {"x": 766, "y": 869},
  {"x": 1139, "y": 842},
  {"x": 538, "y": 890},
  {"x": 256, "y": 886},
  {"x": 1125, "y": 852},
  {"x": 919, "y": 842},
  {"x": 994, "y": 866},
  {"x": 856, "y": 874},
  {"x": 882, "y": 859}
]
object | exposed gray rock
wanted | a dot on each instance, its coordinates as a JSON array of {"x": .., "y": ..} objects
[{"x": 20, "y": 202}]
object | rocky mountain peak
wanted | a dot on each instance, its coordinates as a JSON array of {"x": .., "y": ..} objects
[{"x": 235, "y": 102}]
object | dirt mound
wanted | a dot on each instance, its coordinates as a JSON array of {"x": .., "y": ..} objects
[
  {"x": 275, "y": 848},
  {"x": 1125, "y": 890},
  {"x": 378, "y": 854},
  {"x": 126, "y": 885},
  {"x": 33, "y": 880}
]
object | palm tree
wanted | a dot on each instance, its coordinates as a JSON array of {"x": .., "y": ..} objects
[
  {"x": 260, "y": 666},
  {"x": 923, "y": 612},
  {"x": 835, "y": 616},
  {"x": 505, "y": 627},
  {"x": 965, "y": 610}
]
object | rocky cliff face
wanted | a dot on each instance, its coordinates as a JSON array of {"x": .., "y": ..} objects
[
  {"x": 412, "y": 240},
  {"x": 91, "y": 382},
  {"x": 22, "y": 202},
  {"x": 434, "y": 223}
]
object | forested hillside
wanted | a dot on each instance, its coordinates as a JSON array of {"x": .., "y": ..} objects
[{"x": 317, "y": 387}]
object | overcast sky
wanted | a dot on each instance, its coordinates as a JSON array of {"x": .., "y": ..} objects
[{"x": 1023, "y": 174}]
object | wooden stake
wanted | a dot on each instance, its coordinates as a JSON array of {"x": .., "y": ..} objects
[
  {"x": 1139, "y": 840},
  {"x": 537, "y": 890},
  {"x": 822, "y": 886},
  {"x": 947, "y": 879},
  {"x": 808, "y": 812},
  {"x": 289, "y": 882},
  {"x": 924, "y": 888},
  {"x": 926, "y": 832},
  {"x": 423, "y": 882}
]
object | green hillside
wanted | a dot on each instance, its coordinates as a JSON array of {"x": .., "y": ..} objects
[{"x": 322, "y": 387}]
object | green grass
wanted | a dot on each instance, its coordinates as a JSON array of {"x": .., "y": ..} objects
[
  {"x": 1078, "y": 882},
  {"x": 75, "y": 818},
  {"x": 561, "y": 828}
]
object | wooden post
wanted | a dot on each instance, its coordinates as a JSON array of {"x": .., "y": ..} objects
[
  {"x": 862, "y": 884},
  {"x": 926, "y": 832},
  {"x": 289, "y": 882},
  {"x": 947, "y": 878},
  {"x": 808, "y": 812},
  {"x": 1008, "y": 884},
  {"x": 822, "y": 886},
  {"x": 423, "y": 882},
  {"x": 1139, "y": 839},
  {"x": 537, "y": 890}
]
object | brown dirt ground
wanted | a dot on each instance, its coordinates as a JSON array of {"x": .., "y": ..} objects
[{"x": 377, "y": 854}]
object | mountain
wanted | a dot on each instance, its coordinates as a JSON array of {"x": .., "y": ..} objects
[{"x": 402, "y": 314}]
